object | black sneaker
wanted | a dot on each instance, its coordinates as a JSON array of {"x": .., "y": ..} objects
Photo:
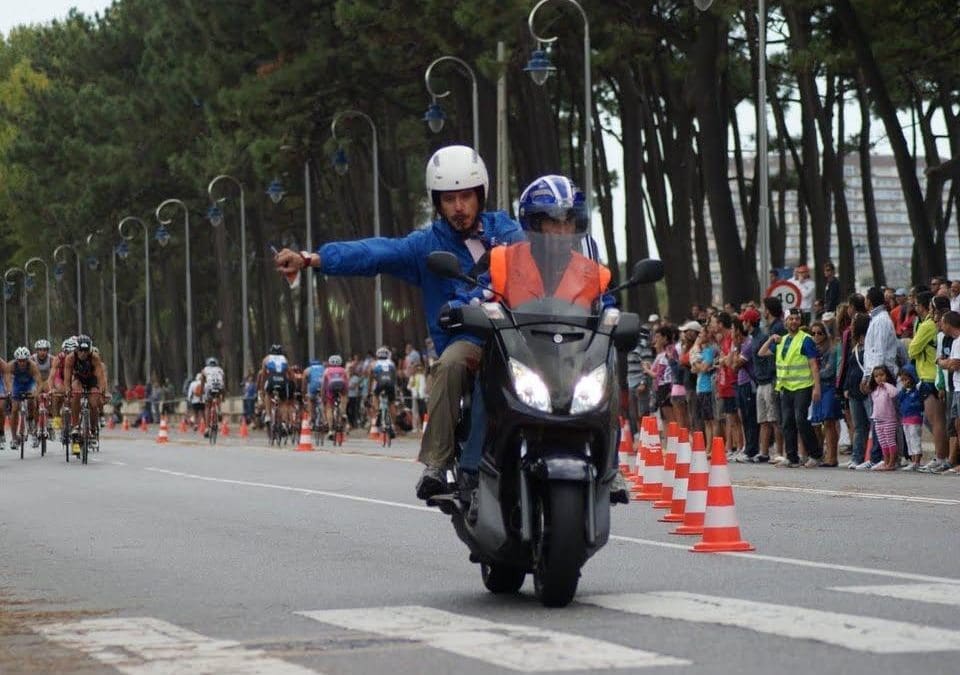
[
  {"x": 619, "y": 490},
  {"x": 467, "y": 482},
  {"x": 432, "y": 483},
  {"x": 760, "y": 459}
]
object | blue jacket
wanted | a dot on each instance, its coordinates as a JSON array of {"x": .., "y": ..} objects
[{"x": 406, "y": 258}]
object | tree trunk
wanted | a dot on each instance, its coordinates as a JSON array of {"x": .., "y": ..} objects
[{"x": 866, "y": 182}]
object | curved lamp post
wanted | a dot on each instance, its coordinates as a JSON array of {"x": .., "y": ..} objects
[
  {"x": 146, "y": 266},
  {"x": 163, "y": 237},
  {"x": 341, "y": 165},
  {"x": 46, "y": 282},
  {"x": 26, "y": 321},
  {"x": 540, "y": 70},
  {"x": 58, "y": 273},
  {"x": 7, "y": 295},
  {"x": 434, "y": 116},
  {"x": 215, "y": 213}
]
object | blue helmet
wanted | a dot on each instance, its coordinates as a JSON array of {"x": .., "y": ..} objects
[
  {"x": 315, "y": 362},
  {"x": 552, "y": 197}
]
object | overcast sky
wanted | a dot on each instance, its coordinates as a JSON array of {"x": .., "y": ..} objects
[{"x": 17, "y": 12}]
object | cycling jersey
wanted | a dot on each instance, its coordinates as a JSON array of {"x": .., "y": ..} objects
[
  {"x": 84, "y": 372},
  {"x": 44, "y": 366},
  {"x": 58, "y": 373},
  {"x": 275, "y": 364},
  {"x": 385, "y": 379},
  {"x": 314, "y": 377},
  {"x": 334, "y": 381},
  {"x": 23, "y": 380},
  {"x": 213, "y": 379}
]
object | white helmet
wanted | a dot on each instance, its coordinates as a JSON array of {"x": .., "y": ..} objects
[
  {"x": 383, "y": 353},
  {"x": 456, "y": 167},
  {"x": 335, "y": 360},
  {"x": 21, "y": 354},
  {"x": 42, "y": 344},
  {"x": 69, "y": 345}
]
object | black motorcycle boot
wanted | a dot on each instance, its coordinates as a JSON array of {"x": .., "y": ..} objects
[
  {"x": 619, "y": 490},
  {"x": 432, "y": 482}
]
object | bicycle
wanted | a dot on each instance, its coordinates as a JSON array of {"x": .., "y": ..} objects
[
  {"x": 318, "y": 424},
  {"x": 43, "y": 420},
  {"x": 273, "y": 424},
  {"x": 213, "y": 416},
  {"x": 65, "y": 430},
  {"x": 386, "y": 422},
  {"x": 338, "y": 421},
  {"x": 84, "y": 428},
  {"x": 20, "y": 433}
]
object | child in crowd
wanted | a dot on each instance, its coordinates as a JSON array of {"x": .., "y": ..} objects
[
  {"x": 883, "y": 395},
  {"x": 911, "y": 414}
]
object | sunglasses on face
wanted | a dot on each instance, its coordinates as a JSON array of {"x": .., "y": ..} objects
[{"x": 817, "y": 332}]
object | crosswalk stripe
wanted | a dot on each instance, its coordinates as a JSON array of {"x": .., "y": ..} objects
[
  {"x": 522, "y": 648},
  {"x": 148, "y": 646},
  {"x": 942, "y": 594},
  {"x": 859, "y": 633}
]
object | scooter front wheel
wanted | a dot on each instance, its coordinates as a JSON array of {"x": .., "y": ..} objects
[
  {"x": 560, "y": 539},
  {"x": 502, "y": 578}
]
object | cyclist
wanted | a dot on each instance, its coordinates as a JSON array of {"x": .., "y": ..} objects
[
  {"x": 312, "y": 380},
  {"x": 457, "y": 185},
  {"x": 213, "y": 381},
  {"x": 385, "y": 382},
  {"x": 84, "y": 370},
  {"x": 334, "y": 384},
  {"x": 273, "y": 377},
  {"x": 41, "y": 356},
  {"x": 55, "y": 382},
  {"x": 21, "y": 378},
  {"x": 195, "y": 399}
]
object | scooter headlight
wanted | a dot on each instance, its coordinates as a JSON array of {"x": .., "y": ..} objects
[
  {"x": 589, "y": 391},
  {"x": 530, "y": 387}
]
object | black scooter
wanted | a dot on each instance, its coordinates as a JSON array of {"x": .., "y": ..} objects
[{"x": 549, "y": 381}]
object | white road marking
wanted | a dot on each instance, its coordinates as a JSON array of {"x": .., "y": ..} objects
[
  {"x": 147, "y": 646},
  {"x": 523, "y": 648},
  {"x": 940, "y": 501},
  {"x": 859, "y": 633},
  {"x": 941, "y": 594}
]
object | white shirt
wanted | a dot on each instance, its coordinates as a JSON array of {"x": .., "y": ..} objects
[
  {"x": 955, "y": 354},
  {"x": 955, "y": 304},
  {"x": 808, "y": 289},
  {"x": 880, "y": 343}
]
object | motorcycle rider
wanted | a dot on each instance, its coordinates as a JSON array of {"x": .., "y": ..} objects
[
  {"x": 551, "y": 205},
  {"x": 457, "y": 184}
]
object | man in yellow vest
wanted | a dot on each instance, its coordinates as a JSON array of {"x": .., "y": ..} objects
[{"x": 798, "y": 381}]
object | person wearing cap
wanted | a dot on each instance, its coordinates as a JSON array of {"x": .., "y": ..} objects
[
  {"x": 831, "y": 290},
  {"x": 808, "y": 291},
  {"x": 743, "y": 364},
  {"x": 923, "y": 352},
  {"x": 703, "y": 362},
  {"x": 798, "y": 381},
  {"x": 689, "y": 331},
  {"x": 765, "y": 374}
]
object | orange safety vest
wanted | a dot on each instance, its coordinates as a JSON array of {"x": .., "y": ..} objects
[{"x": 514, "y": 275}]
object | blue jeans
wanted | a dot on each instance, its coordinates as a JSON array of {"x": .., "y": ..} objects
[
  {"x": 861, "y": 427},
  {"x": 473, "y": 448},
  {"x": 747, "y": 404}
]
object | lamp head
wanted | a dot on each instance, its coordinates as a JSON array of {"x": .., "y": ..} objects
[
  {"x": 29, "y": 282},
  {"x": 215, "y": 214},
  {"x": 122, "y": 250},
  {"x": 340, "y": 162},
  {"x": 435, "y": 117},
  {"x": 539, "y": 67},
  {"x": 7, "y": 291},
  {"x": 58, "y": 271},
  {"x": 275, "y": 191},
  {"x": 92, "y": 263},
  {"x": 162, "y": 236}
]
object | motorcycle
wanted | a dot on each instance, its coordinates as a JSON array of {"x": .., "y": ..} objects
[{"x": 548, "y": 376}]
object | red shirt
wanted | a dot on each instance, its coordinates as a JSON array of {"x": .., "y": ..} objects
[{"x": 726, "y": 377}]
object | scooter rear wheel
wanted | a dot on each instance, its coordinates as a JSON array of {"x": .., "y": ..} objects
[
  {"x": 561, "y": 547},
  {"x": 502, "y": 578}
]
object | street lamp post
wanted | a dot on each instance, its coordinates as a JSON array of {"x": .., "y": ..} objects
[
  {"x": 7, "y": 295},
  {"x": 341, "y": 165},
  {"x": 216, "y": 218},
  {"x": 46, "y": 283},
  {"x": 435, "y": 116},
  {"x": 163, "y": 236},
  {"x": 58, "y": 273},
  {"x": 540, "y": 69},
  {"x": 26, "y": 320},
  {"x": 146, "y": 267}
]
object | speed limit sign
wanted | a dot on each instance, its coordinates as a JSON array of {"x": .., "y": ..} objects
[{"x": 787, "y": 291}]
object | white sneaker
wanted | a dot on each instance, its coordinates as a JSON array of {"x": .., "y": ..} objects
[
  {"x": 864, "y": 466},
  {"x": 932, "y": 464},
  {"x": 850, "y": 465}
]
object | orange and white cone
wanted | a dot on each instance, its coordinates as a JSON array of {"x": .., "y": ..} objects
[
  {"x": 126, "y": 425},
  {"x": 636, "y": 489},
  {"x": 696, "y": 505},
  {"x": 625, "y": 449},
  {"x": 653, "y": 464},
  {"x": 225, "y": 427},
  {"x": 681, "y": 476},
  {"x": 163, "y": 435},
  {"x": 721, "y": 532},
  {"x": 111, "y": 423},
  {"x": 306, "y": 442},
  {"x": 244, "y": 430},
  {"x": 202, "y": 429},
  {"x": 183, "y": 425},
  {"x": 374, "y": 434},
  {"x": 144, "y": 427},
  {"x": 669, "y": 468}
]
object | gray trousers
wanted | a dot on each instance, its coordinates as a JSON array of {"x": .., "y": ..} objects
[{"x": 450, "y": 378}]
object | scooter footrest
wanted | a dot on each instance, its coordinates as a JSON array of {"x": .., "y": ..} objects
[{"x": 448, "y": 504}]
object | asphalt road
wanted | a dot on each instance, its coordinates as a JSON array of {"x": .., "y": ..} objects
[{"x": 182, "y": 558}]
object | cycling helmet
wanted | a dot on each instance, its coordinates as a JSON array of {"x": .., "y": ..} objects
[
  {"x": 212, "y": 362},
  {"x": 383, "y": 353},
  {"x": 552, "y": 197},
  {"x": 69, "y": 345},
  {"x": 21, "y": 354},
  {"x": 41, "y": 344},
  {"x": 276, "y": 349},
  {"x": 84, "y": 343},
  {"x": 456, "y": 167},
  {"x": 335, "y": 360}
]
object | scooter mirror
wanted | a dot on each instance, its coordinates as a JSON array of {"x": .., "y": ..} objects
[
  {"x": 444, "y": 264},
  {"x": 646, "y": 272}
]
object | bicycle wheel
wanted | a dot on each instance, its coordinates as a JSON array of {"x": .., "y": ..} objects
[
  {"x": 21, "y": 432},
  {"x": 214, "y": 425},
  {"x": 84, "y": 436}
]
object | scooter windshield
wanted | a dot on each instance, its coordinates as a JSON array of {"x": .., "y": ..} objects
[{"x": 549, "y": 273}]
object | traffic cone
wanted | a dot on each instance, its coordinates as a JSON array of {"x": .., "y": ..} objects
[
  {"x": 244, "y": 430},
  {"x": 423, "y": 427},
  {"x": 144, "y": 427},
  {"x": 669, "y": 468},
  {"x": 225, "y": 427},
  {"x": 306, "y": 442},
  {"x": 126, "y": 424},
  {"x": 721, "y": 532},
  {"x": 202, "y": 429},
  {"x": 111, "y": 423},
  {"x": 680, "y": 479},
  {"x": 183, "y": 425},
  {"x": 163, "y": 435},
  {"x": 640, "y": 461},
  {"x": 374, "y": 434},
  {"x": 625, "y": 450},
  {"x": 696, "y": 505},
  {"x": 653, "y": 464}
]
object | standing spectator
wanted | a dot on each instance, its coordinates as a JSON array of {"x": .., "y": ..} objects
[
  {"x": 726, "y": 382},
  {"x": 798, "y": 380},
  {"x": 880, "y": 348},
  {"x": 883, "y": 399},
  {"x": 638, "y": 381},
  {"x": 911, "y": 414},
  {"x": 412, "y": 360},
  {"x": 703, "y": 363},
  {"x": 825, "y": 412},
  {"x": 418, "y": 395},
  {"x": 808, "y": 291},
  {"x": 249, "y": 397},
  {"x": 856, "y": 399},
  {"x": 747, "y": 383},
  {"x": 353, "y": 396},
  {"x": 902, "y": 314},
  {"x": 923, "y": 352},
  {"x": 662, "y": 373},
  {"x": 950, "y": 364},
  {"x": 678, "y": 392},
  {"x": 431, "y": 352},
  {"x": 689, "y": 332},
  {"x": 831, "y": 291},
  {"x": 764, "y": 371},
  {"x": 955, "y": 296}
]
